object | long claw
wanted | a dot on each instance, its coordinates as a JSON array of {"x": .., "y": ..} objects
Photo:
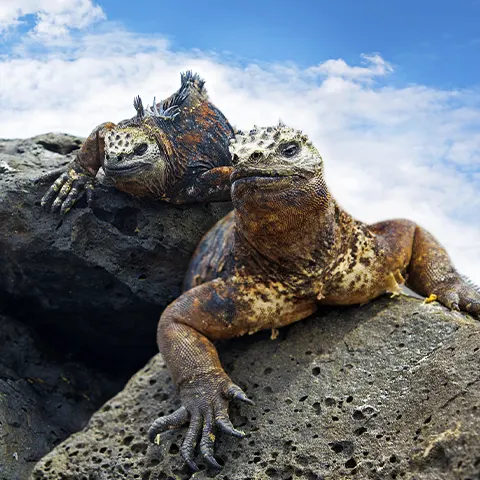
[
  {"x": 90, "y": 190},
  {"x": 53, "y": 190},
  {"x": 62, "y": 195},
  {"x": 67, "y": 189},
  {"x": 191, "y": 465},
  {"x": 172, "y": 421},
  {"x": 236, "y": 393},
  {"x": 225, "y": 425},
  {"x": 206, "y": 408},
  {"x": 207, "y": 443},
  {"x": 73, "y": 196},
  {"x": 187, "y": 450},
  {"x": 210, "y": 459}
]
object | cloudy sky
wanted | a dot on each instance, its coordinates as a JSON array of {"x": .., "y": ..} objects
[{"x": 388, "y": 91}]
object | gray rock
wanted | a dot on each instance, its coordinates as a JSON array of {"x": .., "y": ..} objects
[
  {"x": 383, "y": 391},
  {"x": 42, "y": 401},
  {"x": 94, "y": 285}
]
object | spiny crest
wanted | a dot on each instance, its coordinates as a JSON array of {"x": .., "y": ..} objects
[
  {"x": 471, "y": 283},
  {"x": 189, "y": 82},
  {"x": 266, "y": 140},
  {"x": 189, "y": 79},
  {"x": 137, "y": 103},
  {"x": 161, "y": 113},
  {"x": 165, "y": 112}
]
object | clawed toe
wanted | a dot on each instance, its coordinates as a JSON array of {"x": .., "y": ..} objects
[
  {"x": 67, "y": 190},
  {"x": 168, "y": 422},
  {"x": 187, "y": 450},
  {"x": 206, "y": 413},
  {"x": 236, "y": 393},
  {"x": 461, "y": 296},
  {"x": 49, "y": 176},
  {"x": 225, "y": 425},
  {"x": 207, "y": 443}
]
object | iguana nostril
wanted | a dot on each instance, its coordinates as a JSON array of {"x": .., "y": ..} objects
[{"x": 120, "y": 157}]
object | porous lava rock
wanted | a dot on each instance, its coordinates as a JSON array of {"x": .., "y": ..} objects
[
  {"x": 42, "y": 399},
  {"x": 388, "y": 390},
  {"x": 95, "y": 284}
]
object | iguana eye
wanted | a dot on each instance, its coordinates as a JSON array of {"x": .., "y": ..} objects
[
  {"x": 289, "y": 149},
  {"x": 141, "y": 149}
]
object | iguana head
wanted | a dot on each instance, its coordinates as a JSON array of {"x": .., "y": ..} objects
[
  {"x": 148, "y": 154},
  {"x": 273, "y": 164}
]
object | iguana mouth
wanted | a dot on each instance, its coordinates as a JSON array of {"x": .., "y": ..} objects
[
  {"x": 124, "y": 170},
  {"x": 261, "y": 176}
]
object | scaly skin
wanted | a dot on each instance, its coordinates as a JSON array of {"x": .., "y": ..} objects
[
  {"x": 176, "y": 150},
  {"x": 286, "y": 249}
]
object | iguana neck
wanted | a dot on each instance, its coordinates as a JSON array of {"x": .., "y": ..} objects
[{"x": 289, "y": 231}]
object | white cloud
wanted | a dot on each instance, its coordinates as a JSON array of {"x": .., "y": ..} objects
[
  {"x": 375, "y": 66},
  {"x": 390, "y": 152},
  {"x": 53, "y": 18}
]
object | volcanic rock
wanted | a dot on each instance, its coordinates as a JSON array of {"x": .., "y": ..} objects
[{"x": 389, "y": 390}]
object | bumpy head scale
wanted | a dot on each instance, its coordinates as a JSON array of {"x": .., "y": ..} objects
[{"x": 267, "y": 141}]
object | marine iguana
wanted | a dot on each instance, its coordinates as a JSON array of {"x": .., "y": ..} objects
[
  {"x": 286, "y": 249},
  {"x": 175, "y": 150}
]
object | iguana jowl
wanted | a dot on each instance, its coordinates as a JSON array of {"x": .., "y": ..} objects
[
  {"x": 176, "y": 150},
  {"x": 285, "y": 250}
]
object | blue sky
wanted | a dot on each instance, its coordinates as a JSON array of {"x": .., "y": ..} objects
[
  {"x": 430, "y": 42},
  {"x": 434, "y": 42},
  {"x": 388, "y": 90}
]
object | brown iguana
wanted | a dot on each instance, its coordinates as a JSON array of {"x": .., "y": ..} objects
[
  {"x": 286, "y": 249},
  {"x": 175, "y": 150}
]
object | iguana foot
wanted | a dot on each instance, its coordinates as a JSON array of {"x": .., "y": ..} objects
[
  {"x": 67, "y": 189},
  {"x": 459, "y": 294},
  {"x": 205, "y": 403}
]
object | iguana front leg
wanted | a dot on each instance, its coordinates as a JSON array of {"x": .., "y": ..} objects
[
  {"x": 216, "y": 310},
  {"x": 79, "y": 175},
  {"x": 431, "y": 273},
  {"x": 416, "y": 252},
  {"x": 211, "y": 186}
]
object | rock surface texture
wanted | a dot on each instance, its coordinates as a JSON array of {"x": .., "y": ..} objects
[
  {"x": 96, "y": 283},
  {"x": 383, "y": 391},
  {"x": 88, "y": 291},
  {"x": 389, "y": 390},
  {"x": 42, "y": 400}
]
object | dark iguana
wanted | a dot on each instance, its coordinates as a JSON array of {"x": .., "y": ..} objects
[
  {"x": 175, "y": 150},
  {"x": 285, "y": 250}
]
